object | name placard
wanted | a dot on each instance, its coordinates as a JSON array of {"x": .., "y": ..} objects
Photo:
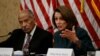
[
  {"x": 97, "y": 53},
  {"x": 60, "y": 52},
  {"x": 6, "y": 51}
]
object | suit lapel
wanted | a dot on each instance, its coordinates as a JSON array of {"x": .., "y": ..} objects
[{"x": 35, "y": 39}]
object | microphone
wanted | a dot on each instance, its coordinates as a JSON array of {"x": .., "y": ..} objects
[{"x": 6, "y": 34}]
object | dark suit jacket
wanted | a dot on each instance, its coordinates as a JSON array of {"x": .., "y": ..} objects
[
  {"x": 41, "y": 41},
  {"x": 86, "y": 43}
]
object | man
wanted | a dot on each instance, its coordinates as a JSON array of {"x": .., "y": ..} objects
[{"x": 40, "y": 40}]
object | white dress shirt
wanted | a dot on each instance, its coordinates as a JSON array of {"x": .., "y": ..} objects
[{"x": 31, "y": 33}]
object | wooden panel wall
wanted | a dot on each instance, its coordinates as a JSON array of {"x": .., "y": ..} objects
[{"x": 9, "y": 10}]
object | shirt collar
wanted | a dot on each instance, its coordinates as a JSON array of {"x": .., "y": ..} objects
[{"x": 33, "y": 30}]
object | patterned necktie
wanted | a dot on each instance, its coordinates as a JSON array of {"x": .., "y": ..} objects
[{"x": 26, "y": 45}]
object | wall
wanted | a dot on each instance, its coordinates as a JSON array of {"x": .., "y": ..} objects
[{"x": 8, "y": 17}]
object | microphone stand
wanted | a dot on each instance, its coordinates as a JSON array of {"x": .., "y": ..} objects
[{"x": 6, "y": 34}]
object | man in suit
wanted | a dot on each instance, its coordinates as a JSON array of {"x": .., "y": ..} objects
[{"x": 40, "y": 40}]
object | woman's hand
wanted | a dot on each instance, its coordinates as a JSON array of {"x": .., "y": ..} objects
[{"x": 71, "y": 35}]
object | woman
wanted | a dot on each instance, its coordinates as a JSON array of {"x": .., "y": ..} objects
[{"x": 69, "y": 35}]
